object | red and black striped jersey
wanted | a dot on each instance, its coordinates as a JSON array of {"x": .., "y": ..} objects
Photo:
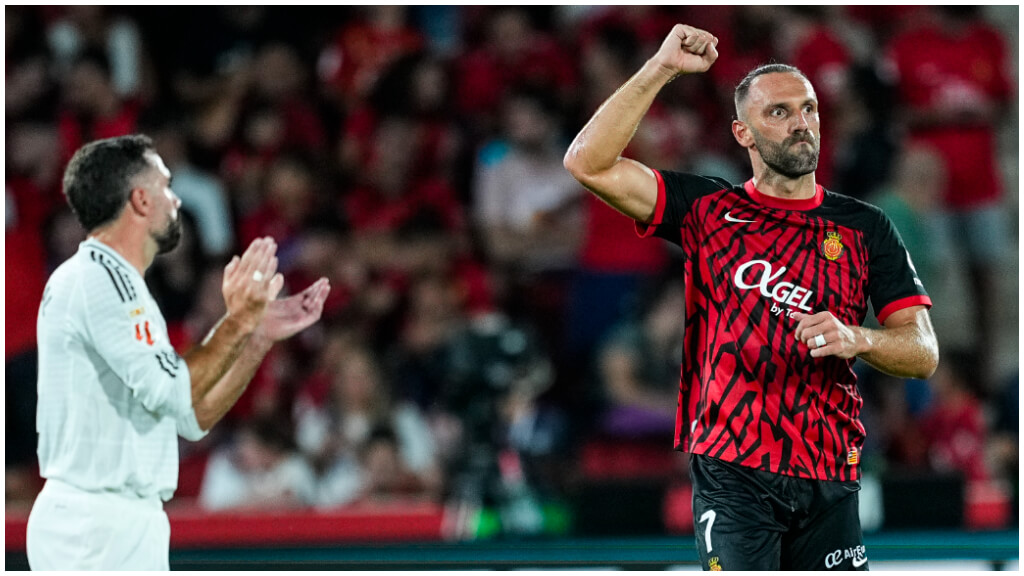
[{"x": 750, "y": 393}]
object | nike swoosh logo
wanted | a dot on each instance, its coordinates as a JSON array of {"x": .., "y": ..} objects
[
  {"x": 858, "y": 562},
  {"x": 729, "y": 218}
]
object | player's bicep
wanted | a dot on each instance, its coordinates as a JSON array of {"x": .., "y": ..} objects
[
  {"x": 133, "y": 345},
  {"x": 629, "y": 187}
]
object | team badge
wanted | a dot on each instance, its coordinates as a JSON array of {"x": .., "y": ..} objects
[
  {"x": 832, "y": 247},
  {"x": 713, "y": 565}
]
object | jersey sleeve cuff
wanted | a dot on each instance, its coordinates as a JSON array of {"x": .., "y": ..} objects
[
  {"x": 645, "y": 229},
  {"x": 187, "y": 424},
  {"x": 915, "y": 300}
]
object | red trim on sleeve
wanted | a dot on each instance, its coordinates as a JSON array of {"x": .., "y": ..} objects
[
  {"x": 916, "y": 300},
  {"x": 644, "y": 229}
]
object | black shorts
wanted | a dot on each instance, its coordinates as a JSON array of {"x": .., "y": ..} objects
[{"x": 747, "y": 519}]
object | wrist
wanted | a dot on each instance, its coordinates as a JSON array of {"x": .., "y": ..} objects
[
  {"x": 864, "y": 340},
  {"x": 659, "y": 71},
  {"x": 260, "y": 341},
  {"x": 237, "y": 325}
]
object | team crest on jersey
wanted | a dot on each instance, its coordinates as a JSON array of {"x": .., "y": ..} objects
[
  {"x": 832, "y": 247},
  {"x": 713, "y": 565}
]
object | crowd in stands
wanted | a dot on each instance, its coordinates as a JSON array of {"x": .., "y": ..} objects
[{"x": 488, "y": 317}]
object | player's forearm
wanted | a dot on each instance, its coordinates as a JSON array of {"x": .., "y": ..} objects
[
  {"x": 210, "y": 361},
  {"x": 600, "y": 143},
  {"x": 907, "y": 351},
  {"x": 229, "y": 388}
]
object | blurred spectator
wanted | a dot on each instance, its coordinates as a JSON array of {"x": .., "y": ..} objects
[
  {"x": 391, "y": 204},
  {"x": 201, "y": 192},
  {"x": 954, "y": 425},
  {"x": 262, "y": 112},
  {"x": 92, "y": 109},
  {"x": 416, "y": 88},
  {"x": 513, "y": 53},
  {"x": 747, "y": 37},
  {"x": 418, "y": 357},
  {"x": 81, "y": 28},
  {"x": 807, "y": 42},
  {"x": 259, "y": 470},
  {"x": 385, "y": 476},
  {"x": 910, "y": 200},
  {"x": 210, "y": 48},
  {"x": 335, "y": 433},
  {"x": 363, "y": 48},
  {"x": 287, "y": 205},
  {"x": 952, "y": 78},
  {"x": 865, "y": 142},
  {"x": 29, "y": 90},
  {"x": 896, "y": 440},
  {"x": 525, "y": 204},
  {"x": 638, "y": 367}
]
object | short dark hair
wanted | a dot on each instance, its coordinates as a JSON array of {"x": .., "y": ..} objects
[
  {"x": 97, "y": 181},
  {"x": 744, "y": 86}
]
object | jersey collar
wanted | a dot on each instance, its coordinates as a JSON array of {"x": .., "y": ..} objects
[
  {"x": 782, "y": 203},
  {"x": 94, "y": 243}
]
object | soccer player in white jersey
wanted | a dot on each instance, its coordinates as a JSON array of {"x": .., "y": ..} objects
[{"x": 113, "y": 394}]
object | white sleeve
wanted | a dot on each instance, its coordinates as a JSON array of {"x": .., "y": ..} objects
[
  {"x": 129, "y": 334},
  {"x": 188, "y": 427}
]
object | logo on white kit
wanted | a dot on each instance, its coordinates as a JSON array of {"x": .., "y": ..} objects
[
  {"x": 782, "y": 293},
  {"x": 857, "y": 555}
]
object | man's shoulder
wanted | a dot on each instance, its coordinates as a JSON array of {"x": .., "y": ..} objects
[
  {"x": 694, "y": 184},
  {"x": 858, "y": 213},
  {"x": 103, "y": 274}
]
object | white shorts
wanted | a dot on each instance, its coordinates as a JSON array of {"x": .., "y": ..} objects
[{"x": 70, "y": 529}]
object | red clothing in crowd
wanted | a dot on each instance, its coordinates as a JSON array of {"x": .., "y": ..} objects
[
  {"x": 939, "y": 70},
  {"x": 370, "y": 211},
  {"x": 25, "y": 263},
  {"x": 825, "y": 61},
  {"x": 484, "y": 77},
  {"x": 73, "y": 133},
  {"x": 359, "y": 54},
  {"x": 955, "y": 432}
]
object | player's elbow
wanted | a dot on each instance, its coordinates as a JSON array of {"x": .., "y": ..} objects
[
  {"x": 579, "y": 166},
  {"x": 574, "y": 164},
  {"x": 930, "y": 361}
]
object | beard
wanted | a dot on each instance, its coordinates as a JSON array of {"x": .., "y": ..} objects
[
  {"x": 790, "y": 164},
  {"x": 169, "y": 238}
]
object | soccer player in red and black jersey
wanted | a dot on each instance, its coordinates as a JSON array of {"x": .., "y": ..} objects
[{"x": 779, "y": 275}]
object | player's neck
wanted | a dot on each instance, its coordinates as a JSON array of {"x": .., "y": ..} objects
[
  {"x": 771, "y": 183},
  {"x": 129, "y": 242}
]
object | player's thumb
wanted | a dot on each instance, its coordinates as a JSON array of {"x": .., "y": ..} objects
[
  {"x": 276, "y": 284},
  {"x": 711, "y": 53}
]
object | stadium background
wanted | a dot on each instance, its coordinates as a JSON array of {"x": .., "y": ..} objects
[{"x": 492, "y": 383}]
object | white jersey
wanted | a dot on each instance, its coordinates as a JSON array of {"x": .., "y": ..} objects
[{"x": 113, "y": 393}]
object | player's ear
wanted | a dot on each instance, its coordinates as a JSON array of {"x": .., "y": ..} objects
[
  {"x": 742, "y": 134},
  {"x": 138, "y": 201}
]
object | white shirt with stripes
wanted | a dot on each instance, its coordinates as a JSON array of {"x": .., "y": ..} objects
[{"x": 113, "y": 393}]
